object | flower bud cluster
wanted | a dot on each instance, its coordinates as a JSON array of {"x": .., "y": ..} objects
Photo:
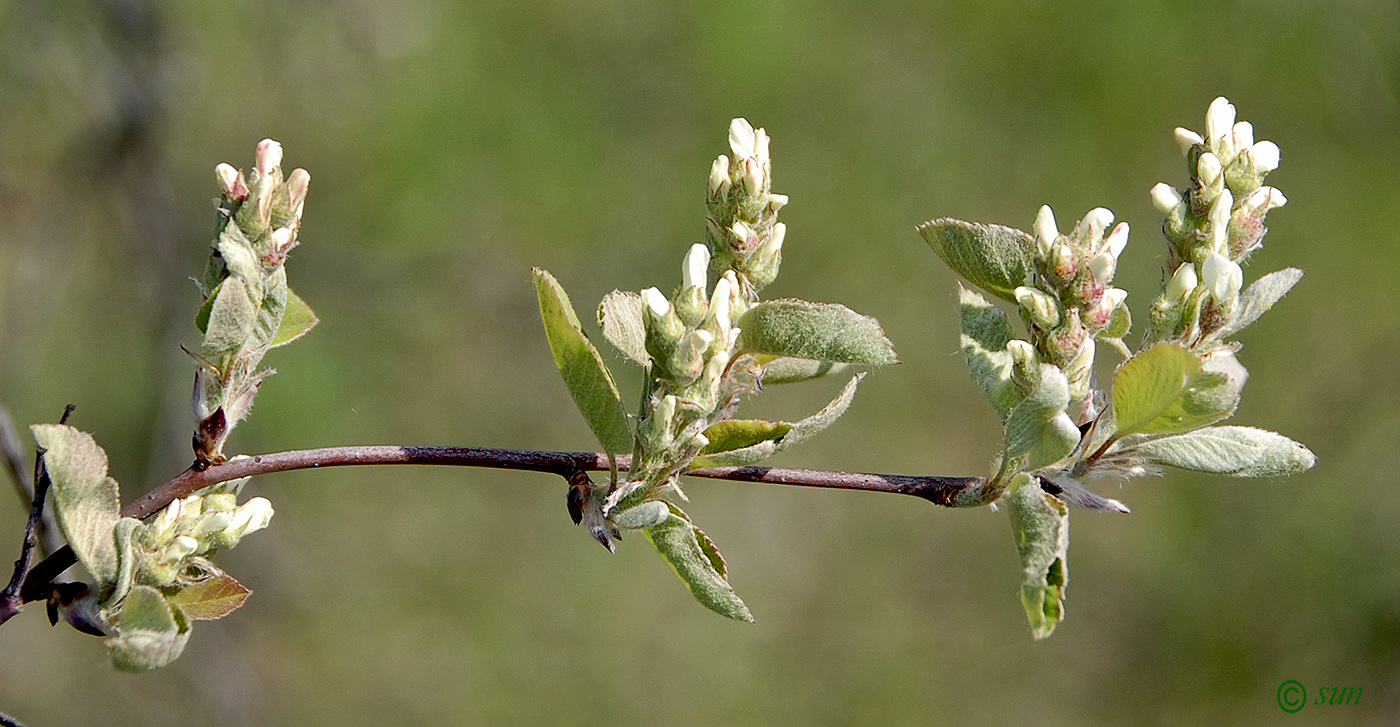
[
  {"x": 1213, "y": 225},
  {"x": 194, "y": 527},
  {"x": 1070, "y": 299},
  {"x": 691, "y": 339},
  {"x": 245, "y": 288},
  {"x": 742, "y": 230}
]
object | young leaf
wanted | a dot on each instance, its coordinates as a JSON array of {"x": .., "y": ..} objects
[
  {"x": 149, "y": 634},
  {"x": 798, "y": 433},
  {"x": 297, "y": 319},
  {"x": 1238, "y": 451},
  {"x": 1039, "y": 422},
  {"x": 789, "y": 370},
  {"x": 985, "y": 333},
  {"x": 231, "y": 319},
  {"x": 695, "y": 560},
  {"x": 1260, "y": 296},
  {"x": 821, "y": 331},
  {"x": 1040, "y": 523},
  {"x": 620, "y": 318},
  {"x": 270, "y": 313},
  {"x": 994, "y": 258},
  {"x": 733, "y": 434},
  {"x": 85, "y": 499},
  {"x": 212, "y": 598},
  {"x": 1166, "y": 389},
  {"x": 584, "y": 374}
]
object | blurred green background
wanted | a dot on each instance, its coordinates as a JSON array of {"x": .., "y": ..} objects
[{"x": 454, "y": 144}]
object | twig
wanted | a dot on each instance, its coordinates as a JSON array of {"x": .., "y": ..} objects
[
  {"x": 12, "y": 599},
  {"x": 946, "y": 491}
]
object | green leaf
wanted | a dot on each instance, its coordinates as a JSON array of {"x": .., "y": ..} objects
[
  {"x": 231, "y": 320},
  {"x": 789, "y": 370},
  {"x": 735, "y": 434},
  {"x": 620, "y": 318},
  {"x": 695, "y": 560},
  {"x": 274, "y": 304},
  {"x": 125, "y": 536},
  {"x": 1039, "y": 416},
  {"x": 201, "y": 317},
  {"x": 1040, "y": 523},
  {"x": 1166, "y": 389},
  {"x": 820, "y": 331},
  {"x": 1260, "y": 296},
  {"x": 86, "y": 501},
  {"x": 149, "y": 634},
  {"x": 798, "y": 433},
  {"x": 212, "y": 598},
  {"x": 985, "y": 333},
  {"x": 994, "y": 258},
  {"x": 1237, "y": 451},
  {"x": 239, "y": 258},
  {"x": 297, "y": 319},
  {"x": 584, "y": 374}
]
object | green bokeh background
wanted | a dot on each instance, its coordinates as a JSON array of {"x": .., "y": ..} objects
[{"x": 453, "y": 145}]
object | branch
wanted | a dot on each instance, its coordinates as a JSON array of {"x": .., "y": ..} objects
[{"x": 945, "y": 491}]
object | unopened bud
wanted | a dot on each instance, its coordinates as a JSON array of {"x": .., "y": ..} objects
[
  {"x": 1222, "y": 276},
  {"x": 251, "y": 516},
  {"x": 753, "y": 177},
  {"x": 1208, "y": 169},
  {"x": 1182, "y": 283},
  {"x": 1261, "y": 200},
  {"x": 1186, "y": 139},
  {"x": 1265, "y": 156},
  {"x": 719, "y": 306},
  {"x": 1165, "y": 197},
  {"x": 1242, "y": 136},
  {"x": 1022, "y": 352},
  {"x": 1117, "y": 240},
  {"x": 1039, "y": 306},
  {"x": 297, "y": 185},
  {"x": 774, "y": 244},
  {"x": 178, "y": 548},
  {"x": 1091, "y": 228},
  {"x": 1102, "y": 267},
  {"x": 741, "y": 138},
  {"x": 777, "y": 202},
  {"x": 268, "y": 156},
  {"x": 1220, "y": 212},
  {"x": 228, "y": 179},
  {"x": 1220, "y": 119},
  {"x": 719, "y": 176},
  {"x": 1046, "y": 233},
  {"x": 695, "y": 267}
]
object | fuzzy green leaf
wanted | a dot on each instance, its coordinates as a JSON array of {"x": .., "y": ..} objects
[
  {"x": 149, "y": 634},
  {"x": 1167, "y": 389},
  {"x": 798, "y": 433},
  {"x": 789, "y": 370},
  {"x": 297, "y": 319},
  {"x": 584, "y": 374},
  {"x": 620, "y": 318},
  {"x": 274, "y": 305},
  {"x": 695, "y": 560},
  {"x": 212, "y": 598},
  {"x": 1260, "y": 296},
  {"x": 735, "y": 434},
  {"x": 820, "y": 331},
  {"x": 1039, "y": 423},
  {"x": 985, "y": 333},
  {"x": 86, "y": 501},
  {"x": 1040, "y": 523},
  {"x": 125, "y": 536},
  {"x": 1237, "y": 451},
  {"x": 994, "y": 258},
  {"x": 230, "y": 323}
]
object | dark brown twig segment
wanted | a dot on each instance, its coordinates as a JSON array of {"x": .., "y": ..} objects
[{"x": 946, "y": 491}]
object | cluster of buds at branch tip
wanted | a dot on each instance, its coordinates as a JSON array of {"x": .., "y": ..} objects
[
  {"x": 742, "y": 231},
  {"x": 1213, "y": 225}
]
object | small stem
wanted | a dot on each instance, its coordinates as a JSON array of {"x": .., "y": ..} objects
[{"x": 946, "y": 491}]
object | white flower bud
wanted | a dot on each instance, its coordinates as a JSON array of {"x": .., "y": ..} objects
[
  {"x": 1242, "y": 136},
  {"x": 1261, "y": 200},
  {"x": 1113, "y": 297},
  {"x": 695, "y": 269},
  {"x": 656, "y": 302},
  {"x": 1265, "y": 156},
  {"x": 228, "y": 178},
  {"x": 1022, "y": 352},
  {"x": 282, "y": 238},
  {"x": 1038, "y": 304},
  {"x": 742, "y": 233},
  {"x": 214, "y": 522},
  {"x": 719, "y": 306},
  {"x": 760, "y": 148},
  {"x": 178, "y": 548},
  {"x": 741, "y": 138},
  {"x": 665, "y": 410},
  {"x": 1182, "y": 283},
  {"x": 1117, "y": 240},
  {"x": 1219, "y": 217},
  {"x": 719, "y": 176},
  {"x": 164, "y": 522},
  {"x": 251, "y": 516},
  {"x": 1045, "y": 230},
  {"x": 1208, "y": 168},
  {"x": 1220, "y": 120},
  {"x": 714, "y": 372},
  {"x": 753, "y": 177},
  {"x": 1102, "y": 267},
  {"x": 774, "y": 244},
  {"x": 1222, "y": 276},
  {"x": 297, "y": 185},
  {"x": 1094, "y": 223},
  {"x": 777, "y": 202},
  {"x": 1165, "y": 197},
  {"x": 1186, "y": 138},
  {"x": 268, "y": 156}
]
